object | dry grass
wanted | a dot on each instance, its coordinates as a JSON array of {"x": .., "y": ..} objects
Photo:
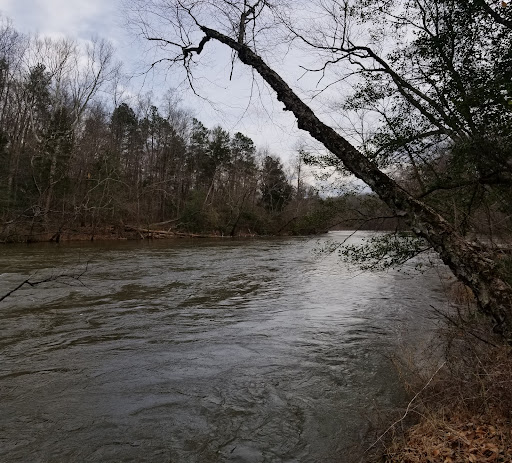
[
  {"x": 459, "y": 294},
  {"x": 463, "y": 410}
]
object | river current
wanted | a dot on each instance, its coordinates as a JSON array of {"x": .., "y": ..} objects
[{"x": 200, "y": 351}]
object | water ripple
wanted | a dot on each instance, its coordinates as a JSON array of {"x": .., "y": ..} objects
[{"x": 187, "y": 351}]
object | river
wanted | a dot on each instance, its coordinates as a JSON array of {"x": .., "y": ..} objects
[{"x": 200, "y": 350}]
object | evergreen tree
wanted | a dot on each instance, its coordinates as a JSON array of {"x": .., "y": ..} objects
[{"x": 275, "y": 190}]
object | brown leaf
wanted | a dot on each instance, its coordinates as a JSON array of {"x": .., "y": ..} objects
[{"x": 491, "y": 448}]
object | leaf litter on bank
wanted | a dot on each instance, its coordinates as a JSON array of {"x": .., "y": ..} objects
[{"x": 453, "y": 439}]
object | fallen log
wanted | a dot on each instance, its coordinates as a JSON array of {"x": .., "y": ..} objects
[
  {"x": 148, "y": 231},
  {"x": 165, "y": 222}
]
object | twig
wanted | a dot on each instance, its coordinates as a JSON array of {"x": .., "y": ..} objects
[
  {"x": 45, "y": 280},
  {"x": 409, "y": 405},
  {"x": 461, "y": 326}
]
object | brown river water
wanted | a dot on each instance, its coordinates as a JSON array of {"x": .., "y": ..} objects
[{"x": 200, "y": 351}]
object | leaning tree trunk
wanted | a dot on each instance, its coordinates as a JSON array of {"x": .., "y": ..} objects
[{"x": 472, "y": 266}]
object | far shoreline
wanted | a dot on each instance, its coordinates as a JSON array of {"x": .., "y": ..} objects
[
  {"x": 125, "y": 233},
  {"x": 134, "y": 233}
]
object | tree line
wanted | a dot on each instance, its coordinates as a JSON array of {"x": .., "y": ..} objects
[{"x": 74, "y": 153}]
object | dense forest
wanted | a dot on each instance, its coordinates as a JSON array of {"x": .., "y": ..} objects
[{"x": 80, "y": 156}]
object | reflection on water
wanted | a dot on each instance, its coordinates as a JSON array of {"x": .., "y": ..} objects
[{"x": 198, "y": 351}]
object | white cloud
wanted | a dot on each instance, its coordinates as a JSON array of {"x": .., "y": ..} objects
[{"x": 73, "y": 18}]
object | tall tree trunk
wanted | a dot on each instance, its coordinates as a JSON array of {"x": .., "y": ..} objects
[
  {"x": 18, "y": 135},
  {"x": 51, "y": 184}
]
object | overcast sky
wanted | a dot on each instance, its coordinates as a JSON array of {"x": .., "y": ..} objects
[{"x": 264, "y": 121}]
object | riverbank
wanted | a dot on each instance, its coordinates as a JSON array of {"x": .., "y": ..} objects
[
  {"x": 104, "y": 233},
  {"x": 461, "y": 400}
]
